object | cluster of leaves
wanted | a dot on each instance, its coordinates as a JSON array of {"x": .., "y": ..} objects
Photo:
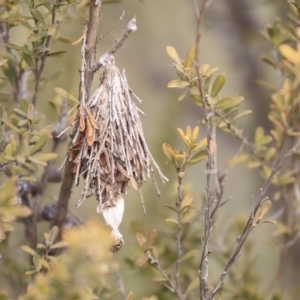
[
  {"x": 203, "y": 92},
  {"x": 269, "y": 149},
  {"x": 9, "y": 211},
  {"x": 80, "y": 272},
  {"x": 40, "y": 28},
  {"x": 194, "y": 152},
  {"x": 22, "y": 140}
]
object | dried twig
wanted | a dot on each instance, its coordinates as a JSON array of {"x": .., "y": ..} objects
[
  {"x": 40, "y": 62},
  {"x": 90, "y": 39},
  {"x": 249, "y": 226},
  {"x": 155, "y": 263},
  {"x": 178, "y": 240},
  {"x": 203, "y": 269},
  {"x": 131, "y": 27}
]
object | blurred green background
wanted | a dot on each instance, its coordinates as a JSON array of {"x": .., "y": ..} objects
[{"x": 231, "y": 41}]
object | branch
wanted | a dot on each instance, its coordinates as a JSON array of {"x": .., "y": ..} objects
[
  {"x": 39, "y": 68},
  {"x": 131, "y": 27},
  {"x": 155, "y": 263},
  {"x": 203, "y": 269},
  {"x": 178, "y": 240},
  {"x": 249, "y": 226},
  {"x": 86, "y": 78}
]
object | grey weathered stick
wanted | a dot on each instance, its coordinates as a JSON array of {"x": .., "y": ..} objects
[
  {"x": 131, "y": 27},
  {"x": 203, "y": 269},
  {"x": 249, "y": 226}
]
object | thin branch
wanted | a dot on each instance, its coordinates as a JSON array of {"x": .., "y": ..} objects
[
  {"x": 203, "y": 269},
  {"x": 4, "y": 33},
  {"x": 40, "y": 65},
  {"x": 249, "y": 226},
  {"x": 178, "y": 240},
  {"x": 86, "y": 78},
  {"x": 120, "y": 285},
  {"x": 155, "y": 263},
  {"x": 131, "y": 27}
]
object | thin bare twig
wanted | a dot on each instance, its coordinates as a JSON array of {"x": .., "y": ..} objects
[
  {"x": 120, "y": 285},
  {"x": 40, "y": 64},
  {"x": 131, "y": 27},
  {"x": 249, "y": 226},
  {"x": 203, "y": 269},
  {"x": 178, "y": 240},
  {"x": 155, "y": 263}
]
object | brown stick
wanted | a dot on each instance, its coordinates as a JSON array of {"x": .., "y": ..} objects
[{"x": 86, "y": 78}]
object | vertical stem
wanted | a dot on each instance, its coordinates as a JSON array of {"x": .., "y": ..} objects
[
  {"x": 178, "y": 239},
  {"x": 86, "y": 78},
  {"x": 203, "y": 269}
]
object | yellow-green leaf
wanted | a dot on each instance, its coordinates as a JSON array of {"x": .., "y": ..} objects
[
  {"x": 170, "y": 220},
  {"x": 174, "y": 55},
  {"x": 169, "y": 152},
  {"x": 290, "y": 54},
  {"x": 229, "y": 102},
  {"x": 44, "y": 156},
  {"x": 191, "y": 56},
  {"x": 158, "y": 278},
  {"x": 178, "y": 84},
  {"x": 29, "y": 250},
  {"x": 218, "y": 85},
  {"x": 65, "y": 94},
  {"x": 60, "y": 244},
  {"x": 187, "y": 200},
  {"x": 199, "y": 156}
]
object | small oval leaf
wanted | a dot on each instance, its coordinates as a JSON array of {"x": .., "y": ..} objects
[{"x": 218, "y": 85}]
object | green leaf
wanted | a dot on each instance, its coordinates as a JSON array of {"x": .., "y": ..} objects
[
  {"x": 29, "y": 250},
  {"x": 199, "y": 156},
  {"x": 53, "y": 234},
  {"x": 191, "y": 56},
  {"x": 269, "y": 61},
  {"x": 290, "y": 54},
  {"x": 60, "y": 244},
  {"x": 170, "y": 220},
  {"x": 187, "y": 200},
  {"x": 229, "y": 102},
  {"x": 170, "y": 207},
  {"x": 14, "y": 128},
  {"x": 158, "y": 279},
  {"x": 178, "y": 84},
  {"x": 51, "y": 29},
  {"x": 174, "y": 55},
  {"x": 38, "y": 16},
  {"x": 44, "y": 156},
  {"x": 58, "y": 53},
  {"x": 39, "y": 144},
  {"x": 242, "y": 114},
  {"x": 15, "y": 47},
  {"x": 218, "y": 85},
  {"x": 65, "y": 94}
]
